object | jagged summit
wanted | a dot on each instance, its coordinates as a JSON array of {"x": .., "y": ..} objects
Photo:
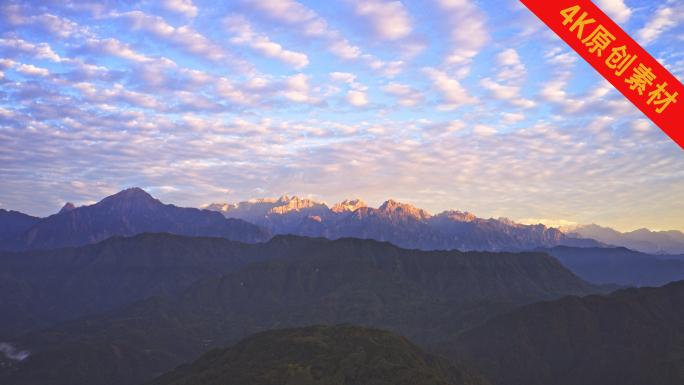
[
  {"x": 348, "y": 205},
  {"x": 67, "y": 207},
  {"x": 393, "y": 206},
  {"x": 457, "y": 215}
]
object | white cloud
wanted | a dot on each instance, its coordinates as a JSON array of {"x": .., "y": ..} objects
[
  {"x": 6, "y": 64},
  {"x": 389, "y": 19},
  {"x": 616, "y": 9},
  {"x": 296, "y": 89},
  {"x": 484, "y": 130},
  {"x": 465, "y": 24},
  {"x": 114, "y": 47},
  {"x": 260, "y": 43},
  {"x": 357, "y": 98},
  {"x": 342, "y": 77},
  {"x": 405, "y": 96},
  {"x": 663, "y": 19},
  {"x": 512, "y": 68},
  {"x": 498, "y": 91},
  {"x": 510, "y": 119},
  {"x": 181, "y": 6},
  {"x": 453, "y": 95},
  {"x": 31, "y": 71},
  {"x": 185, "y": 38}
]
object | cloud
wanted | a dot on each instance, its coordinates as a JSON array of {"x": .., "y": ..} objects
[
  {"x": 238, "y": 25},
  {"x": 31, "y": 71},
  {"x": 357, "y": 98},
  {"x": 342, "y": 77},
  {"x": 114, "y": 47},
  {"x": 296, "y": 89},
  {"x": 510, "y": 119},
  {"x": 405, "y": 96},
  {"x": 498, "y": 91},
  {"x": 186, "y": 39},
  {"x": 453, "y": 95},
  {"x": 464, "y": 23},
  {"x": 181, "y": 6},
  {"x": 616, "y": 9},
  {"x": 513, "y": 70},
  {"x": 389, "y": 20},
  {"x": 663, "y": 19},
  {"x": 483, "y": 130}
]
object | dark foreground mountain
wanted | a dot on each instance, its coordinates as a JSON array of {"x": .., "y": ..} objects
[
  {"x": 633, "y": 336},
  {"x": 618, "y": 265},
  {"x": 39, "y": 288},
  {"x": 427, "y": 296},
  {"x": 342, "y": 354},
  {"x": 401, "y": 224},
  {"x": 125, "y": 214}
]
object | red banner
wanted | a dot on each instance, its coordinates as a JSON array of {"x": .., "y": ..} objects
[{"x": 620, "y": 60}]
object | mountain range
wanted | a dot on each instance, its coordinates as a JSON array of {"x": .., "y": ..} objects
[
  {"x": 127, "y": 213},
  {"x": 644, "y": 240},
  {"x": 427, "y": 296},
  {"x": 401, "y": 224}
]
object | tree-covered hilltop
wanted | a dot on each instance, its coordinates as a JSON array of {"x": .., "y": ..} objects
[{"x": 322, "y": 355}]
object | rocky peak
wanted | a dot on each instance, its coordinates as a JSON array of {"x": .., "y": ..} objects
[
  {"x": 284, "y": 199},
  {"x": 67, "y": 207},
  {"x": 348, "y": 205},
  {"x": 295, "y": 204},
  {"x": 457, "y": 215},
  {"x": 393, "y": 206},
  {"x": 131, "y": 195}
]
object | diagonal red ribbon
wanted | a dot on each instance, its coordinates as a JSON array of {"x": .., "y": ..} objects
[{"x": 619, "y": 59}]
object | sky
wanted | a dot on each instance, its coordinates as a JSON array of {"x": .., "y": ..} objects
[{"x": 444, "y": 104}]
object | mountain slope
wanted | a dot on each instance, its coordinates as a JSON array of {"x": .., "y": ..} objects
[
  {"x": 322, "y": 355},
  {"x": 633, "y": 336},
  {"x": 427, "y": 296},
  {"x": 13, "y": 223},
  {"x": 618, "y": 265},
  {"x": 128, "y": 213},
  {"x": 39, "y": 288}
]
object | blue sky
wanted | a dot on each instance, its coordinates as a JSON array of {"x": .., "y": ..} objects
[{"x": 470, "y": 105}]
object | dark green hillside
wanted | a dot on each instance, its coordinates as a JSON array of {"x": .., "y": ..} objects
[
  {"x": 42, "y": 287},
  {"x": 631, "y": 337},
  {"x": 426, "y": 296},
  {"x": 342, "y": 354}
]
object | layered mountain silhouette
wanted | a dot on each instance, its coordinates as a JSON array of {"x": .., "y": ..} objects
[
  {"x": 342, "y": 354},
  {"x": 428, "y": 296},
  {"x": 644, "y": 240},
  {"x": 633, "y": 336},
  {"x": 618, "y": 265},
  {"x": 43, "y": 287},
  {"x": 401, "y": 224},
  {"x": 127, "y": 213}
]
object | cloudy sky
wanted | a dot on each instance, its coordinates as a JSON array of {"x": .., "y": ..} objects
[{"x": 470, "y": 105}]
